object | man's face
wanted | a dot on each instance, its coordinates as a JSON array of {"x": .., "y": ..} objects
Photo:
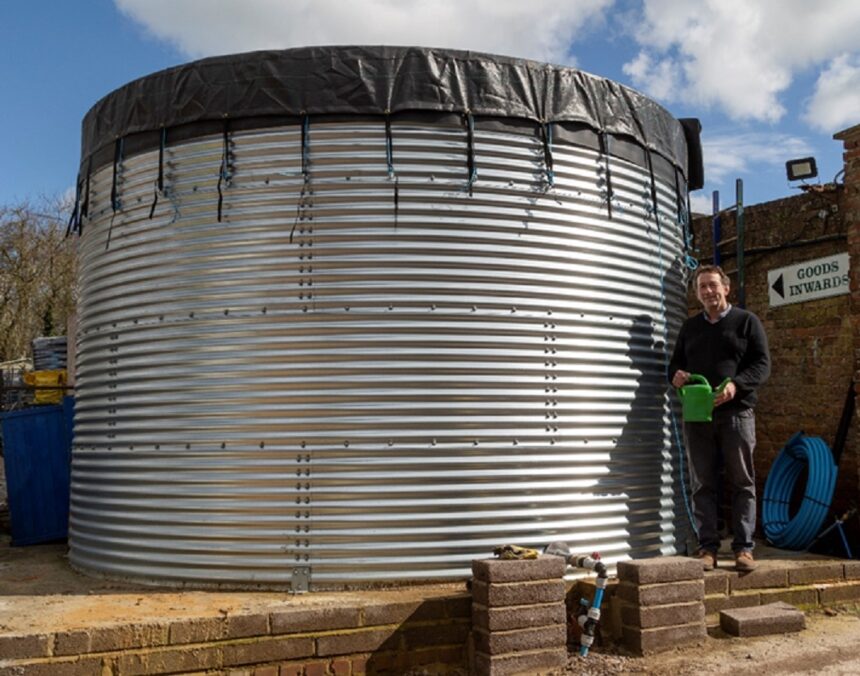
[{"x": 711, "y": 292}]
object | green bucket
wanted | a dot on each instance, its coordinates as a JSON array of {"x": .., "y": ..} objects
[{"x": 697, "y": 398}]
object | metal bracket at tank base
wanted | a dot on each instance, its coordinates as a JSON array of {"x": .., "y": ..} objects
[{"x": 301, "y": 580}]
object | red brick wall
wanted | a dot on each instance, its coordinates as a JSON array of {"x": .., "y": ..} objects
[
  {"x": 815, "y": 345},
  {"x": 851, "y": 213}
]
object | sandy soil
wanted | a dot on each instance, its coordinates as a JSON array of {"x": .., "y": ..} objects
[
  {"x": 38, "y": 589},
  {"x": 830, "y": 644}
]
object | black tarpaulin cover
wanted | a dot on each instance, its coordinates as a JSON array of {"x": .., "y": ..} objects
[{"x": 378, "y": 81}]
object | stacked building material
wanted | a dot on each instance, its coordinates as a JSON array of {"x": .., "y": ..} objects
[
  {"x": 518, "y": 616},
  {"x": 662, "y": 603}
]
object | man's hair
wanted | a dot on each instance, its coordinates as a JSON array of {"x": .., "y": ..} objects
[{"x": 715, "y": 269}]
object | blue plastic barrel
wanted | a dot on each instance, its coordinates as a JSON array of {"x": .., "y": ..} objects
[{"x": 37, "y": 458}]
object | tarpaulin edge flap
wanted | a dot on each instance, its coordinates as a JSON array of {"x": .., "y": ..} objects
[{"x": 358, "y": 80}]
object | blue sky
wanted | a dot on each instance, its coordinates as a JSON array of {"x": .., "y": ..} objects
[{"x": 771, "y": 80}]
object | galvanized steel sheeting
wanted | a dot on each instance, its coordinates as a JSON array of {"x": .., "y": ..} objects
[{"x": 375, "y": 375}]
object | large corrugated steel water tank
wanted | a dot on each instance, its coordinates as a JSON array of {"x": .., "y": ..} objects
[{"x": 363, "y": 314}]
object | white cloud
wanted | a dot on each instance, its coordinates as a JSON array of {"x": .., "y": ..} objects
[
  {"x": 700, "y": 203},
  {"x": 739, "y": 55},
  {"x": 836, "y": 101},
  {"x": 661, "y": 79},
  {"x": 540, "y": 29},
  {"x": 732, "y": 155}
]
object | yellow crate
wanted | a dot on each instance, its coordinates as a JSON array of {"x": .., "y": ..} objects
[{"x": 53, "y": 378}]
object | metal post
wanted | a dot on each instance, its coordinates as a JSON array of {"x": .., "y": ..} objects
[
  {"x": 739, "y": 191},
  {"x": 716, "y": 227}
]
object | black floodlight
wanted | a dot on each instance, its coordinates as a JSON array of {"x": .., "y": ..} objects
[{"x": 797, "y": 170}]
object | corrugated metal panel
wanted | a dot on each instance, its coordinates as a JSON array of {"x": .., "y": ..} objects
[{"x": 379, "y": 378}]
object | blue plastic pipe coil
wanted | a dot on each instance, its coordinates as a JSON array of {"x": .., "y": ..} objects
[{"x": 798, "y": 533}]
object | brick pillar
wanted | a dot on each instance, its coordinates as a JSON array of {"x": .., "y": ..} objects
[
  {"x": 662, "y": 603},
  {"x": 519, "y": 623},
  {"x": 851, "y": 213}
]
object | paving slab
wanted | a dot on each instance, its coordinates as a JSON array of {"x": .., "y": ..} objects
[{"x": 772, "y": 618}]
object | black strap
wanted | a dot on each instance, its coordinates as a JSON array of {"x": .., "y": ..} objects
[
  {"x": 389, "y": 156},
  {"x": 114, "y": 192},
  {"x": 223, "y": 174},
  {"x": 85, "y": 204},
  {"x": 117, "y": 160},
  {"x": 471, "y": 166},
  {"x": 299, "y": 205},
  {"x": 306, "y": 177},
  {"x": 653, "y": 187},
  {"x": 604, "y": 150},
  {"x": 159, "y": 183},
  {"x": 306, "y": 139},
  {"x": 75, "y": 217},
  {"x": 546, "y": 130}
]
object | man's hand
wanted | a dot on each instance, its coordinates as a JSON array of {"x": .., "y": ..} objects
[
  {"x": 680, "y": 378},
  {"x": 727, "y": 394}
]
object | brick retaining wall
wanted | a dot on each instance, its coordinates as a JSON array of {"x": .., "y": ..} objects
[{"x": 344, "y": 640}]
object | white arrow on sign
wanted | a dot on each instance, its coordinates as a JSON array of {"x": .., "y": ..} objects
[{"x": 810, "y": 280}]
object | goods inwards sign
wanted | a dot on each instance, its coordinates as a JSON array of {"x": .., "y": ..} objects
[{"x": 811, "y": 280}]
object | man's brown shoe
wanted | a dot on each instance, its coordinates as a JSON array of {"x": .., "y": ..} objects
[
  {"x": 744, "y": 562},
  {"x": 708, "y": 559}
]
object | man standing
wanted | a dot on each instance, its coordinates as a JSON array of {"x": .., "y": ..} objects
[{"x": 722, "y": 342}]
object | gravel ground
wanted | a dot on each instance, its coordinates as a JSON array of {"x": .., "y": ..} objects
[{"x": 829, "y": 645}]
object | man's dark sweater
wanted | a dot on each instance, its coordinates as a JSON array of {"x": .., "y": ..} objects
[{"x": 735, "y": 347}]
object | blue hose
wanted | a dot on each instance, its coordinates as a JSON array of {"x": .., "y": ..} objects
[{"x": 799, "y": 532}]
